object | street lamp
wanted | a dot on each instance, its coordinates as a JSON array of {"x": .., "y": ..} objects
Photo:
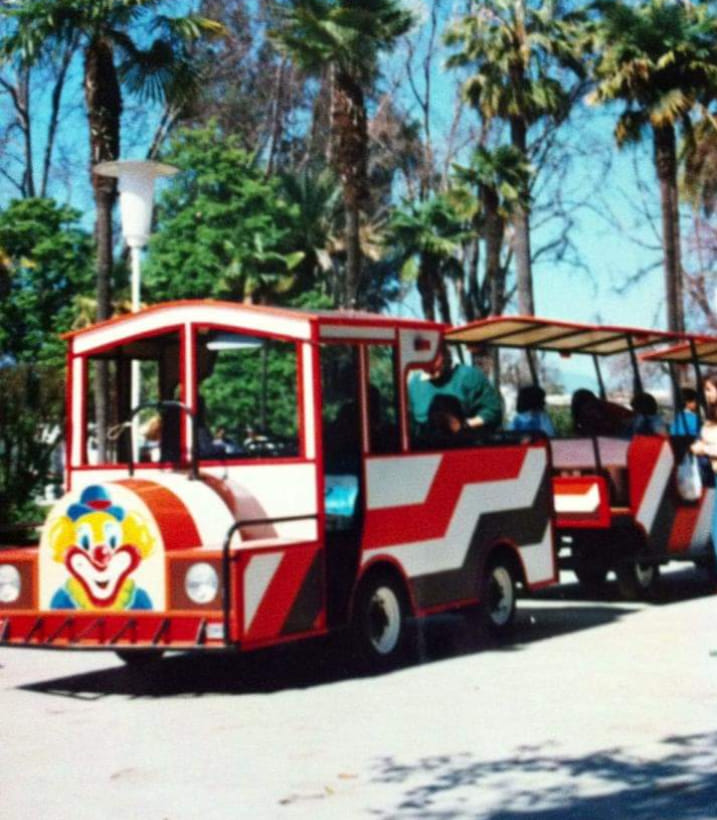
[{"x": 136, "y": 189}]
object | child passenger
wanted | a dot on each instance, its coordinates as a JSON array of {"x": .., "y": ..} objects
[
  {"x": 531, "y": 415},
  {"x": 687, "y": 420}
]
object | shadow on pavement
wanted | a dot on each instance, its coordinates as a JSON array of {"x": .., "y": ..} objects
[
  {"x": 679, "y": 783},
  {"x": 677, "y": 583},
  {"x": 317, "y": 662},
  {"x": 555, "y": 611}
]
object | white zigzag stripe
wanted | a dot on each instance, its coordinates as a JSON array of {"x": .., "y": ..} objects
[
  {"x": 654, "y": 492},
  {"x": 703, "y": 528},
  {"x": 449, "y": 552}
]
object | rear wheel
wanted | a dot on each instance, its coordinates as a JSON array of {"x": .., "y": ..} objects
[
  {"x": 379, "y": 621},
  {"x": 498, "y": 596},
  {"x": 708, "y": 565},
  {"x": 591, "y": 575},
  {"x": 636, "y": 580}
]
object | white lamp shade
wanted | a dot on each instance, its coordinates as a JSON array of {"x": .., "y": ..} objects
[{"x": 136, "y": 188}]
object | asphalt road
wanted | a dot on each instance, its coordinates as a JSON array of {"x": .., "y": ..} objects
[{"x": 595, "y": 709}]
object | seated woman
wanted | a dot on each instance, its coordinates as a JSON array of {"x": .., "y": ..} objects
[
  {"x": 531, "y": 415},
  {"x": 447, "y": 425},
  {"x": 597, "y": 417}
]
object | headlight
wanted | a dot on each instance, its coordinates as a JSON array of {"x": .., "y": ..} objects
[
  {"x": 10, "y": 584},
  {"x": 201, "y": 583}
]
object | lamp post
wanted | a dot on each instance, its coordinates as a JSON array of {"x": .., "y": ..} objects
[{"x": 136, "y": 189}]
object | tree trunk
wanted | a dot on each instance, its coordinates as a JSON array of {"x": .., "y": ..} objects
[
  {"x": 424, "y": 284},
  {"x": 349, "y": 151},
  {"x": 104, "y": 107},
  {"x": 521, "y": 229},
  {"x": 494, "y": 229},
  {"x": 666, "y": 167}
]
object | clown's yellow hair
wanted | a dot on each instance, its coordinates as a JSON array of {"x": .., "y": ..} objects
[{"x": 62, "y": 532}]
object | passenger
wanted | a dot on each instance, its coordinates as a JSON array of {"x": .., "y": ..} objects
[
  {"x": 531, "y": 415},
  {"x": 706, "y": 444},
  {"x": 447, "y": 425},
  {"x": 480, "y": 401},
  {"x": 647, "y": 420},
  {"x": 596, "y": 417},
  {"x": 687, "y": 419}
]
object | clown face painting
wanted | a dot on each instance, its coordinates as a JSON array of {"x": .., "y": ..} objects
[{"x": 96, "y": 548}]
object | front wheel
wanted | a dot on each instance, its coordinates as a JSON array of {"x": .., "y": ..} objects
[
  {"x": 498, "y": 596},
  {"x": 636, "y": 580},
  {"x": 379, "y": 622}
]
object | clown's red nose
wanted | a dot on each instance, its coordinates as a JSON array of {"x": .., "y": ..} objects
[{"x": 101, "y": 555}]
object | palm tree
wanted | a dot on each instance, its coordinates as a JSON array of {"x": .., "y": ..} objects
[
  {"x": 162, "y": 71},
  {"x": 428, "y": 238},
  {"x": 659, "y": 59},
  {"x": 316, "y": 197},
  {"x": 346, "y": 38},
  {"x": 514, "y": 50},
  {"x": 501, "y": 177}
]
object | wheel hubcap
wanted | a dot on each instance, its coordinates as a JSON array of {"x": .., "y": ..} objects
[
  {"x": 500, "y": 596},
  {"x": 644, "y": 573},
  {"x": 384, "y": 620}
]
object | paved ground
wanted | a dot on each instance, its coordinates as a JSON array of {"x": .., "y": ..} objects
[{"x": 597, "y": 709}]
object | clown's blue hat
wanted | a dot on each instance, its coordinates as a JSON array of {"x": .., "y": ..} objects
[{"x": 94, "y": 498}]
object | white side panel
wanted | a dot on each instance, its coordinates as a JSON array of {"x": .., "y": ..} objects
[
  {"x": 77, "y": 410},
  {"x": 257, "y": 578},
  {"x": 449, "y": 552},
  {"x": 307, "y": 365},
  {"x": 703, "y": 529},
  {"x": 538, "y": 559},
  {"x": 397, "y": 482},
  {"x": 658, "y": 481},
  {"x": 277, "y": 491}
]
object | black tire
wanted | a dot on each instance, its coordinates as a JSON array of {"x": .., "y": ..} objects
[
  {"x": 590, "y": 575},
  {"x": 138, "y": 657},
  {"x": 708, "y": 565},
  {"x": 636, "y": 581},
  {"x": 378, "y": 622},
  {"x": 498, "y": 596}
]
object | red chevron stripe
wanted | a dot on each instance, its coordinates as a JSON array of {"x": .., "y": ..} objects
[
  {"x": 281, "y": 593},
  {"x": 642, "y": 458},
  {"x": 683, "y": 528},
  {"x": 174, "y": 520},
  {"x": 418, "y": 522}
]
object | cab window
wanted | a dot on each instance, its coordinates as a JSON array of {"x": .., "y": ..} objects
[{"x": 247, "y": 397}]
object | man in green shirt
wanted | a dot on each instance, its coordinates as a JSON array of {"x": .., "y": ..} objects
[{"x": 480, "y": 401}]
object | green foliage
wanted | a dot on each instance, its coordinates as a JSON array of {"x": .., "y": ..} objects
[
  {"x": 45, "y": 264},
  {"x": 31, "y": 401},
  {"x": 514, "y": 50},
  {"x": 503, "y": 171},
  {"x": 164, "y": 70},
  {"x": 223, "y": 229},
  {"x": 657, "y": 58},
  {"x": 346, "y": 34}
]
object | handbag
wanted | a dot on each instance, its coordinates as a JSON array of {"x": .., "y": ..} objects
[{"x": 689, "y": 480}]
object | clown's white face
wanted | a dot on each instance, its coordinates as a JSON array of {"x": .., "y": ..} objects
[{"x": 98, "y": 557}]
